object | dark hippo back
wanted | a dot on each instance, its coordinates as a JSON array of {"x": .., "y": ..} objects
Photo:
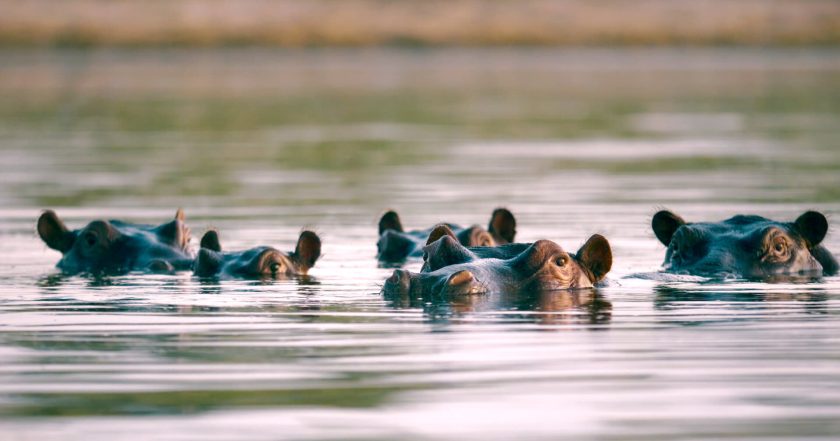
[
  {"x": 746, "y": 246},
  {"x": 117, "y": 247}
]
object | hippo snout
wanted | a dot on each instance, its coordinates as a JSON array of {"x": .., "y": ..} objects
[{"x": 398, "y": 283}]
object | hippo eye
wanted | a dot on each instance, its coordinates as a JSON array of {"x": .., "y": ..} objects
[
  {"x": 275, "y": 267},
  {"x": 561, "y": 261},
  {"x": 90, "y": 239},
  {"x": 778, "y": 248}
]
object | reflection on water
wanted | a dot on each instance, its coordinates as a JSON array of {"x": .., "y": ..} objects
[
  {"x": 553, "y": 307},
  {"x": 259, "y": 144},
  {"x": 813, "y": 300}
]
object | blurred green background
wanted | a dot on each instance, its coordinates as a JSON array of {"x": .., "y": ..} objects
[{"x": 418, "y": 22}]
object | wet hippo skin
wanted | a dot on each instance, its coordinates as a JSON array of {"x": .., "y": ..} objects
[
  {"x": 117, "y": 247},
  {"x": 541, "y": 266},
  {"x": 435, "y": 256},
  {"x": 262, "y": 262},
  {"x": 395, "y": 245},
  {"x": 746, "y": 246}
]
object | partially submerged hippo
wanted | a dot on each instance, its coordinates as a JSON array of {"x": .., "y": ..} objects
[
  {"x": 256, "y": 263},
  {"x": 395, "y": 245},
  {"x": 541, "y": 266},
  {"x": 437, "y": 255},
  {"x": 117, "y": 247},
  {"x": 750, "y": 247}
]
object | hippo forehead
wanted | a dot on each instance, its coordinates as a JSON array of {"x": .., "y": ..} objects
[
  {"x": 745, "y": 229},
  {"x": 151, "y": 234},
  {"x": 252, "y": 255},
  {"x": 254, "y": 261},
  {"x": 118, "y": 246}
]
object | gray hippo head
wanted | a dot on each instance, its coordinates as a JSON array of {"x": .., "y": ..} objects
[
  {"x": 262, "y": 262},
  {"x": 395, "y": 245},
  {"x": 751, "y": 247},
  {"x": 541, "y": 266},
  {"x": 117, "y": 247}
]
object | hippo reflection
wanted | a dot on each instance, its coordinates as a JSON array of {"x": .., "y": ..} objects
[
  {"x": 750, "y": 247},
  {"x": 395, "y": 245},
  {"x": 259, "y": 262},
  {"x": 541, "y": 266},
  {"x": 581, "y": 306},
  {"x": 117, "y": 247}
]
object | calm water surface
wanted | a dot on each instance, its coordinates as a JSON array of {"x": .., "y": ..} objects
[{"x": 261, "y": 143}]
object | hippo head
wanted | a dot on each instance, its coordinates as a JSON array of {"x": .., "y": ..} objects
[
  {"x": 750, "y": 247},
  {"x": 395, "y": 244},
  {"x": 259, "y": 262},
  {"x": 115, "y": 247},
  {"x": 500, "y": 231},
  {"x": 475, "y": 236},
  {"x": 542, "y": 266}
]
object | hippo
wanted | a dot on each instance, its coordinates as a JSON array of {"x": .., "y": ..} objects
[
  {"x": 746, "y": 247},
  {"x": 261, "y": 262},
  {"x": 435, "y": 258},
  {"x": 396, "y": 245},
  {"x": 541, "y": 266},
  {"x": 113, "y": 247}
]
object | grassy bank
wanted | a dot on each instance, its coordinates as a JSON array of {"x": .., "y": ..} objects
[{"x": 295, "y": 23}]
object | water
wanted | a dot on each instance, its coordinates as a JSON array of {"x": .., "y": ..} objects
[{"x": 261, "y": 143}]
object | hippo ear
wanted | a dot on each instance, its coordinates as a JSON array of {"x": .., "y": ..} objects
[
  {"x": 390, "y": 221},
  {"x": 665, "y": 224},
  {"x": 444, "y": 252},
  {"x": 179, "y": 215},
  {"x": 826, "y": 259},
  {"x": 475, "y": 236},
  {"x": 439, "y": 231},
  {"x": 308, "y": 249},
  {"x": 174, "y": 233},
  {"x": 54, "y": 233},
  {"x": 596, "y": 256},
  {"x": 210, "y": 240},
  {"x": 502, "y": 226},
  {"x": 207, "y": 263},
  {"x": 813, "y": 226}
]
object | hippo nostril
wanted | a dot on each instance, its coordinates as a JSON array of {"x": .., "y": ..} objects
[
  {"x": 400, "y": 281},
  {"x": 398, "y": 277},
  {"x": 461, "y": 278}
]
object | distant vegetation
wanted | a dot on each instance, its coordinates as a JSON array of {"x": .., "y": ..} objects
[{"x": 297, "y": 23}]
